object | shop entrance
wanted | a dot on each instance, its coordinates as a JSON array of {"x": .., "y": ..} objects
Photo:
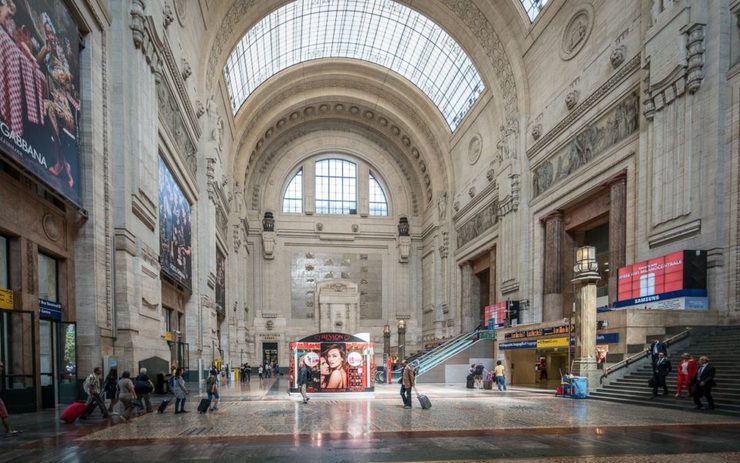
[
  {"x": 269, "y": 353},
  {"x": 18, "y": 353},
  {"x": 58, "y": 362}
]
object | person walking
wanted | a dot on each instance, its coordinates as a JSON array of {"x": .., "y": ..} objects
[
  {"x": 661, "y": 370},
  {"x": 92, "y": 389},
  {"x": 180, "y": 391},
  {"x": 408, "y": 381},
  {"x": 303, "y": 378},
  {"x": 9, "y": 431},
  {"x": 703, "y": 383},
  {"x": 685, "y": 373},
  {"x": 144, "y": 387},
  {"x": 213, "y": 384},
  {"x": 656, "y": 347},
  {"x": 110, "y": 387},
  {"x": 126, "y": 394},
  {"x": 499, "y": 375},
  {"x": 260, "y": 371},
  {"x": 248, "y": 371}
]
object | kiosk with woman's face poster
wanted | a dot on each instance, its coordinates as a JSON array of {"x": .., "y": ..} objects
[{"x": 338, "y": 362}]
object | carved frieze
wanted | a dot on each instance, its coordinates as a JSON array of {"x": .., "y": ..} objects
[
  {"x": 170, "y": 115},
  {"x": 478, "y": 224},
  {"x": 588, "y": 144}
]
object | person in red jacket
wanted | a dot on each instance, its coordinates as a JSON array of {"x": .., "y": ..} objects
[{"x": 686, "y": 371}]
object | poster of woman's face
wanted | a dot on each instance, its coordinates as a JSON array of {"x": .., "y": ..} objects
[
  {"x": 334, "y": 367},
  {"x": 174, "y": 229},
  {"x": 39, "y": 92}
]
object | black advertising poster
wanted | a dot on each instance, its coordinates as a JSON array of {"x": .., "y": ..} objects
[
  {"x": 175, "y": 251},
  {"x": 39, "y": 92}
]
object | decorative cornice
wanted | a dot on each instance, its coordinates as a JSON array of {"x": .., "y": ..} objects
[
  {"x": 593, "y": 99},
  {"x": 484, "y": 195}
]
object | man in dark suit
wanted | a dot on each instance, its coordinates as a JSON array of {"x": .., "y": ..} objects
[
  {"x": 656, "y": 347},
  {"x": 662, "y": 368},
  {"x": 703, "y": 383}
]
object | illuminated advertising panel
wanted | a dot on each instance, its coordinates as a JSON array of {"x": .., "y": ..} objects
[
  {"x": 39, "y": 92},
  {"x": 497, "y": 313},
  {"x": 675, "y": 275},
  {"x": 174, "y": 228},
  {"x": 338, "y": 363}
]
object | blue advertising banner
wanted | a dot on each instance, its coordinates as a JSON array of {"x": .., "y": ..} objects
[
  {"x": 39, "y": 92},
  {"x": 607, "y": 338},
  {"x": 174, "y": 229}
]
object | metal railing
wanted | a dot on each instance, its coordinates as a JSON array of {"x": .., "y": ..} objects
[
  {"x": 642, "y": 354},
  {"x": 439, "y": 354}
]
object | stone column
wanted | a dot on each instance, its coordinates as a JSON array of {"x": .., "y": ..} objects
[
  {"x": 401, "y": 339},
  {"x": 585, "y": 361},
  {"x": 617, "y": 231},
  {"x": 467, "y": 321},
  {"x": 553, "y": 264}
]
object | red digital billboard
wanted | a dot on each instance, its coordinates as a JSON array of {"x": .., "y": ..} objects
[
  {"x": 672, "y": 274},
  {"x": 497, "y": 311}
]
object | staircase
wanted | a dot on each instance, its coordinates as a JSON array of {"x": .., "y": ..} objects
[
  {"x": 439, "y": 354},
  {"x": 718, "y": 343}
]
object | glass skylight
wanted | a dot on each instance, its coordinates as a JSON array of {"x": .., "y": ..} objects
[
  {"x": 380, "y": 31},
  {"x": 533, "y": 7}
]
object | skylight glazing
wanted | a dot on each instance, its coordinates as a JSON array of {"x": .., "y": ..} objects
[
  {"x": 380, "y": 31},
  {"x": 533, "y": 7}
]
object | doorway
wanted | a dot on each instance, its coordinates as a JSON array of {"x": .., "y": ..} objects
[
  {"x": 58, "y": 362},
  {"x": 18, "y": 353},
  {"x": 269, "y": 353}
]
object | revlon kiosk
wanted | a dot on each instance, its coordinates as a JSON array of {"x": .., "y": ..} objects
[{"x": 340, "y": 364}]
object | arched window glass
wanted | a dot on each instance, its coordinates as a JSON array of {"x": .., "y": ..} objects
[
  {"x": 336, "y": 187},
  {"x": 378, "y": 203},
  {"x": 293, "y": 199},
  {"x": 383, "y": 32}
]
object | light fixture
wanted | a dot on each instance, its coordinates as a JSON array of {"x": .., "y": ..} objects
[{"x": 585, "y": 260}]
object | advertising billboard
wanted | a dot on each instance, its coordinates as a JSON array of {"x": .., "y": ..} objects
[
  {"x": 175, "y": 251},
  {"x": 39, "y": 92},
  {"x": 675, "y": 275},
  {"x": 495, "y": 315},
  {"x": 337, "y": 363}
]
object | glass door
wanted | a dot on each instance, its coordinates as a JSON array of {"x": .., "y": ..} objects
[
  {"x": 69, "y": 389},
  {"x": 18, "y": 353},
  {"x": 47, "y": 356}
]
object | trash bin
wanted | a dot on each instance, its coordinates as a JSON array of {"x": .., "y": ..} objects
[{"x": 579, "y": 387}]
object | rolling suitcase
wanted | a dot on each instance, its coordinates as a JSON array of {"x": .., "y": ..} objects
[
  {"x": 74, "y": 411},
  {"x": 487, "y": 384},
  {"x": 203, "y": 405},
  {"x": 163, "y": 406},
  {"x": 424, "y": 401},
  {"x": 470, "y": 382}
]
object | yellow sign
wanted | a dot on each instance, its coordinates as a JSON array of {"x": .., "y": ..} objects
[
  {"x": 552, "y": 342},
  {"x": 168, "y": 336},
  {"x": 6, "y": 299}
]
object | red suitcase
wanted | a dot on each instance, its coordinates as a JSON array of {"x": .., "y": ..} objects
[{"x": 73, "y": 412}]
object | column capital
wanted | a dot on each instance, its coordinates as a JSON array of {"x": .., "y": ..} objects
[{"x": 552, "y": 215}]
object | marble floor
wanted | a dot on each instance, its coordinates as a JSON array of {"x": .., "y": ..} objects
[{"x": 259, "y": 421}]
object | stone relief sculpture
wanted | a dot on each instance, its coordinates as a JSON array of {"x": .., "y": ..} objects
[
  {"x": 442, "y": 206},
  {"x": 617, "y": 56},
  {"x": 474, "y": 149},
  {"x": 576, "y": 33},
  {"x": 478, "y": 224},
  {"x": 506, "y": 146},
  {"x": 589, "y": 143}
]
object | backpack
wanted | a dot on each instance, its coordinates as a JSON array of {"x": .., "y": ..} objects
[
  {"x": 171, "y": 381},
  {"x": 479, "y": 369},
  {"x": 88, "y": 382},
  {"x": 210, "y": 382}
]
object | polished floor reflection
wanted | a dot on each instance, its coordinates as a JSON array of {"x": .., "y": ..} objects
[{"x": 260, "y": 422}]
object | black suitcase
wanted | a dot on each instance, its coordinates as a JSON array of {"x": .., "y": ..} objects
[
  {"x": 163, "y": 406},
  {"x": 424, "y": 401},
  {"x": 487, "y": 384},
  {"x": 203, "y": 405},
  {"x": 470, "y": 383}
]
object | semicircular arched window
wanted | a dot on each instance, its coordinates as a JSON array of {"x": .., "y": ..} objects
[
  {"x": 336, "y": 185},
  {"x": 382, "y": 32}
]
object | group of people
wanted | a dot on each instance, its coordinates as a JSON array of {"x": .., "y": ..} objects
[
  {"x": 696, "y": 378},
  {"x": 267, "y": 370},
  {"x": 131, "y": 393},
  {"x": 498, "y": 376}
]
